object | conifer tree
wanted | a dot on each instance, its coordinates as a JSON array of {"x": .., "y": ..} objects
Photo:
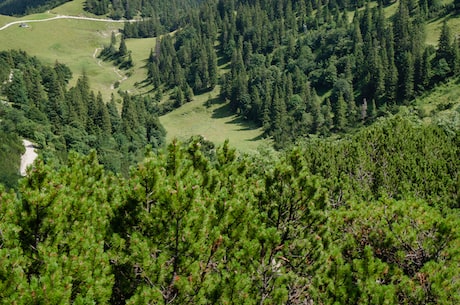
[
  {"x": 17, "y": 92},
  {"x": 326, "y": 110},
  {"x": 63, "y": 235},
  {"x": 445, "y": 43},
  {"x": 340, "y": 113},
  {"x": 102, "y": 119},
  {"x": 122, "y": 49},
  {"x": 407, "y": 77},
  {"x": 372, "y": 110}
]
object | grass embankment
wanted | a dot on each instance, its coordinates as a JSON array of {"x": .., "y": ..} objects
[
  {"x": 77, "y": 43},
  {"x": 72, "y": 8},
  {"x": 433, "y": 28}
]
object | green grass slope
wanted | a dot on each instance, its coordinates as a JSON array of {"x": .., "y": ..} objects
[
  {"x": 72, "y": 42},
  {"x": 209, "y": 117},
  {"x": 77, "y": 43},
  {"x": 441, "y": 105}
]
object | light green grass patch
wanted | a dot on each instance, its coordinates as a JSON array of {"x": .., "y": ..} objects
[
  {"x": 389, "y": 10},
  {"x": 6, "y": 19},
  {"x": 215, "y": 122},
  {"x": 441, "y": 103},
  {"x": 72, "y": 42}
]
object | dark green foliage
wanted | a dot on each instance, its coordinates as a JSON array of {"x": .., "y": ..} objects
[
  {"x": 98, "y": 7},
  {"x": 367, "y": 220},
  {"x": 62, "y": 222},
  {"x": 10, "y": 151},
  {"x": 393, "y": 158},
  {"x": 121, "y": 57},
  {"x": 392, "y": 253},
  {"x": 23, "y": 7},
  {"x": 275, "y": 50},
  {"x": 41, "y": 108}
]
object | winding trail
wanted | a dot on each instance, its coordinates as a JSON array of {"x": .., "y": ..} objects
[
  {"x": 65, "y": 17},
  {"x": 28, "y": 157},
  {"x": 99, "y": 62}
]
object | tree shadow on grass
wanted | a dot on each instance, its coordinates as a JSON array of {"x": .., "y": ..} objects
[
  {"x": 225, "y": 111},
  {"x": 258, "y": 138}
]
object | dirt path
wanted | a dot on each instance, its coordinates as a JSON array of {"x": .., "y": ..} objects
[
  {"x": 65, "y": 17},
  {"x": 98, "y": 61},
  {"x": 28, "y": 157}
]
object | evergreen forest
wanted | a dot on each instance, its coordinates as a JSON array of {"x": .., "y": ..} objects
[
  {"x": 303, "y": 67},
  {"x": 23, "y": 7},
  {"x": 59, "y": 118},
  {"x": 371, "y": 219},
  {"x": 357, "y": 202}
]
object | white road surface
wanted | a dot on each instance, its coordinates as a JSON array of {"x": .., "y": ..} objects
[
  {"x": 28, "y": 157},
  {"x": 64, "y": 17}
]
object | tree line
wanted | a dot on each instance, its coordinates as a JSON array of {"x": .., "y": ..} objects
[{"x": 370, "y": 219}]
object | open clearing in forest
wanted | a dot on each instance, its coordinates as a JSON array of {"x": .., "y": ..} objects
[
  {"x": 76, "y": 43},
  {"x": 214, "y": 121}
]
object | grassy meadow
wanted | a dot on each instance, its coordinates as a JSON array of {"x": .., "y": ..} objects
[
  {"x": 72, "y": 42},
  {"x": 72, "y": 8},
  {"x": 206, "y": 115}
]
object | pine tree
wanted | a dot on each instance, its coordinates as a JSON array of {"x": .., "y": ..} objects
[
  {"x": 17, "y": 92},
  {"x": 129, "y": 116},
  {"x": 63, "y": 229},
  {"x": 340, "y": 113},
  {"x": 445, "y": 43},
  {"x": 391, "y": 75},
  {"x": 326, "y": 110},
  {"x": 122, "y": 49},
  {"x": 372, "y": 111},
  {"x": 426, "y": 71},
  {"x": 114, "y": 115},
  {"x": 407, "y": 77},
  {"x": 102, "y": 119}
]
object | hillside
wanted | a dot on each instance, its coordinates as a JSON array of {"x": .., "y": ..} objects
[
  {"x": 311, "y": 70},
  {"x": 339, "y": 185},
  {"x": 372, "y": 218}
]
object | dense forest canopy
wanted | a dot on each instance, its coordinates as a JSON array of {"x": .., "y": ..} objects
[
  {"x": 358, "y": 206},
  {"x": 371, "y": 219},
  {"x": 303, "y": 67},
  {"x": 22, "y": 7},
  {"x": 41, "y": 107}
]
